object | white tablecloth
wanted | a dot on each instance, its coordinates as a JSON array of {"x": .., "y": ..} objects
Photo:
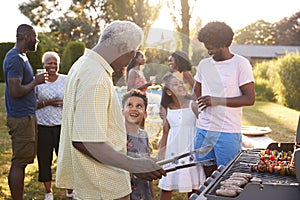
[{"x": 260, "y": 142}]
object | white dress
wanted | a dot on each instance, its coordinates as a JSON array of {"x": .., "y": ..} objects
[{"x": 180, "y": 140}]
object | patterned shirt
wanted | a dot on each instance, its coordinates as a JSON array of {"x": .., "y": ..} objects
[
  {"x": 138, "y": 146},
  {"x": 50, "y": 115},
  {"x": 91, "y": 113}
]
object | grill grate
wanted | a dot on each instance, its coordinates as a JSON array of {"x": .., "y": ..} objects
[{"x": 239, "y": 164}]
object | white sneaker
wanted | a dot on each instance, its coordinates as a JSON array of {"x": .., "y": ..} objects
[
  {"x": 49, "y": 196},
  {"x": 73, "y": 195}
]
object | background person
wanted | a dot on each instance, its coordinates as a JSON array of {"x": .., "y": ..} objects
[
  {"x": 49, "y": 116},
  {"x": 181, "y": 66},
  {"x": 135, "y": 76},
  {"x": 178, "y": 137},
  {"x": 20, "y": 104},
  {"x": 93, "y": 135},
  {"x": 135, "y": 111},
  {"x": 224, "y": 83}
]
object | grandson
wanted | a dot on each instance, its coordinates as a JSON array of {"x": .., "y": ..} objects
[{"x": 134, "y": 104}]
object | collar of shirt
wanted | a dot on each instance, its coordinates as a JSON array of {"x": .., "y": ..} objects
[{"x": 100, "y": 59}]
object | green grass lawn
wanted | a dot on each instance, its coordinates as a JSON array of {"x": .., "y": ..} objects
[{"x": 283, "y": 122}]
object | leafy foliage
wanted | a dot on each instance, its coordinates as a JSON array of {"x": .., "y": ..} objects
[
  {"x": 263, "y": 86},
  {"x": 181, "y": 15},
  {"x": 260, "y": 33},
  {"x": 141, "y": 12},
  {"x": 289, "y": 73},
  {"x": 284, "y": 32},
  {"x": 35, "y": 58},
  {"x": 5, "y": 47},
  {"x": 71, "y": 53},
  {"x": 48, "y": 42},
  {"x": 83, "y": 20},
  {"x": 80, "y": 22},
  {"x": 288, "y": 30},
  {"x": 279, "y": 80}
]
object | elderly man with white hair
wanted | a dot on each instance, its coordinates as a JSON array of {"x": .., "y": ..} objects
[{"x": 92, "y": 157}]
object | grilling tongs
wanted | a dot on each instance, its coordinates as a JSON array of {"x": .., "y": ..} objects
[{"x": 203, "y": 151}]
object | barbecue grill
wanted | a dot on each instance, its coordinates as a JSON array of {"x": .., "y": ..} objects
[{"x": 263, "y": 185}]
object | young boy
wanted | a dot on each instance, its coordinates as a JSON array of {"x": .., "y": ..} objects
[{"x": 134, "y": 104}]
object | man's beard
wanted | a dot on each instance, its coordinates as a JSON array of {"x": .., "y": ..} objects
[{"x": 31, "y": 45}]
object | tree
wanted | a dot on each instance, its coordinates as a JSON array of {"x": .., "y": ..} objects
[
  {"x": 141, "y": 12},
  {"x": 83, "y": 20},
  {"x": 259, "y": 33},
  {"x": 181, "y": 15},
  {"x": 80, "y": 22},
  {"x": 198, "y": 49},
  {"x": 71, "y": 53},
  {"x": 288, "y": 30}
]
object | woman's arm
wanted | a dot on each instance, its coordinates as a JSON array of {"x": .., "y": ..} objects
[
  {"x": 163, "y": 140},
  {"x": 197, "y": 89},
  {"x": 195, "y": 108},
  {"x": 131, "y": 79},
  {"x": 189, "y": 78}
]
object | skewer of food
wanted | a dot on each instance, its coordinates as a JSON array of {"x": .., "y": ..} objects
[{"x": 273, "y": 161}]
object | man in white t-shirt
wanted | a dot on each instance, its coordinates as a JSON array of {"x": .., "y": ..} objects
[{"x": 223, "y": 84}]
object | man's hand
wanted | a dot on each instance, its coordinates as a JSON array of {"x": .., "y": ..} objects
[
  {"x": 147, "y": 169},
  {"x": 150, "y": 176}
]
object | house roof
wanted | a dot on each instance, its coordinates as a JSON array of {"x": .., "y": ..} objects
[{"x": 263, "y": 51}]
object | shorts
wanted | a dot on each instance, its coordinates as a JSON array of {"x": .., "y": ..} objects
[
  {"x": 225, "y": 146},
  {"x": 23, "y": 132}
]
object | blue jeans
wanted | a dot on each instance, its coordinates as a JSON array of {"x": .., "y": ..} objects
[{"x": 225, "y": 146}]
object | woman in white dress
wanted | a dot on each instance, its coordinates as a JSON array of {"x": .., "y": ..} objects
[{"x": 179, "y": 131}]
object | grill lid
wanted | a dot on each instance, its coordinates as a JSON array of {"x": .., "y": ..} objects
[
  {"x": 298, "y": 132},
  {"x": 297, "y": 152}
]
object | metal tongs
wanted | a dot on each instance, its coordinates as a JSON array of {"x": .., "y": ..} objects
[
  {"x": 201, "y": 150},
  {"x": 189, "y": 165}
]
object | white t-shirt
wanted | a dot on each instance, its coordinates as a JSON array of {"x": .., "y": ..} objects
[{"x": 223, "y": 79}]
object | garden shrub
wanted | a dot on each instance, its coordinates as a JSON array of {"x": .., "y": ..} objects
[
  {"x": 279, "y": 80},
  {"x": 5, "y": 47},
  {"x": 33, "y": 57},
  {"x": 263, "y": 82},
  {"x": 71, "y": 53},
  {"x": 288, "y": 73}
]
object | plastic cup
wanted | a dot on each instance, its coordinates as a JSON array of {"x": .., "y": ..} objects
[{"x": 40, "y": 71}]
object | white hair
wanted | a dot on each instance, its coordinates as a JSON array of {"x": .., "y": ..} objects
[
  {"x": 50, "y": 54},
  {"x": 122, "y": 33}
]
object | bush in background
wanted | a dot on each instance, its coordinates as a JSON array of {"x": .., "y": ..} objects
[
  {"x": 279, "y": 80},
  {"x": 288, "y": 84},
  {"x": 263, "y": 86},
  {"x": 71, "y": 53},
  {"x": 34, "y": 57},
  {"x": 5, "y": 47}
]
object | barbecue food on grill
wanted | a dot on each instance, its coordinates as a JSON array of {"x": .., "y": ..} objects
[
  {"x": 226, "y": 192},
  {"x": 241, "y": 174},
  {"x": 232, "y": 186},
  {"x": 275, "y": 162}
]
